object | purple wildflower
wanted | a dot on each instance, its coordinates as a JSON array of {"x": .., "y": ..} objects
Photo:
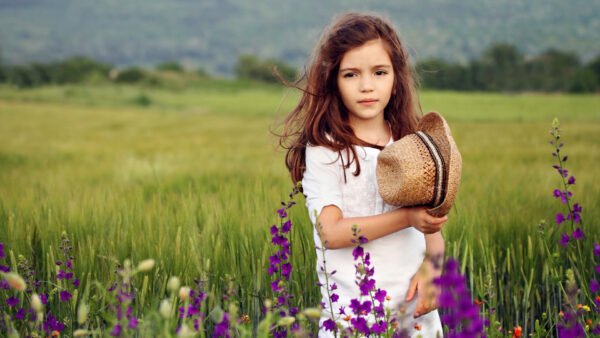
[
  {"x": 1, "y": 250},
  {"x": 597, "y": 329},
  {"x": 594, "y": 286},
  {"x": 4, "y": 268},
  {"x": 282, "y": 213},
  {"x": 334, "y": 297},
  {"x": 76, "y": 282},
  {"x": 564, "y": 240},
  {"x": 65, "y": 295},
  {"x": 360, "y": 324},
  {"x": 116, "y": 331},
  {"x": 133, "y": 323},
  {"x": 286, "y": 270},
  {"x": 12, "y": 301},
  {"x": 222, "y": 328},
  {"x": 379, "y": 327},
  {"x": 44, "y": 299},
  {"x": 357, "y": 252},
  {"x": 571, "y": 180},
  {"x": 286, "y": 227},
  {"x": 456, "y": 298},
  {"x": 333, "y": 287},
  {"x": 596, "y": 249},
  {"x": 560, "y": 218},
  {"x": 274, "y": 230},
  {"x": 329, "y": 325},
  {"x": 557, "y": 193},
  {"x": 578, "y": 234},
  {"x": 380, "y": 295},
  {"x": 20, "y": 315}
]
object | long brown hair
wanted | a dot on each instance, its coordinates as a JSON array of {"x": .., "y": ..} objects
[{"x": 320, "y": 117}]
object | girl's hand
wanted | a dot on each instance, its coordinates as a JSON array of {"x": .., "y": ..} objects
[
  {"x": 419, "y": 219},
  {"x": 427, "y": 292}
]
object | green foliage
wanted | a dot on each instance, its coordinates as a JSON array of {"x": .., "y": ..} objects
[
  {"x": 192, "y": 181},
  {"x": 131, "y": 75},
  {"x": 250, "y": 67},
  {"x": 503, "y": 68},
  {"x": 172, "y": 66}
]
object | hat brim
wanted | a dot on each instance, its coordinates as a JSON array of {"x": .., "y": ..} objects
[{"x": 434, "y": 124}]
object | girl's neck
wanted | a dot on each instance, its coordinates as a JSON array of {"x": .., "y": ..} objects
[{"x": 374, "y": 131}]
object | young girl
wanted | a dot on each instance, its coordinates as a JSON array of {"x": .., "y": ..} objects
[{"x": 360, "y": 97}]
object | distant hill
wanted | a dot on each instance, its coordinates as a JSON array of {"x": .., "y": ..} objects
[{"x": 212, "y": 33}]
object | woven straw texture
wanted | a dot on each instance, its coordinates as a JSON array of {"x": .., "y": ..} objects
[{"x": 406, "y": 172}]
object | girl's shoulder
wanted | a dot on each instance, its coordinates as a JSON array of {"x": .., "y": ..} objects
[{"x": 321, "y": 154}]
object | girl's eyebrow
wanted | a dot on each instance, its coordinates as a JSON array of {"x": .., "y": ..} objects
[{"x": 357, "y": 69}]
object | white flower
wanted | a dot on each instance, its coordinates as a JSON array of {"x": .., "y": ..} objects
[
  {"x": 173, "y": 284},
  {"x": 36, "y": 303},
  {"x": 165, "y": 309},
  {"x": 15, "y": 281},
  {"x": 146, "y": 265},
  {"x": 184, "y": 292}
]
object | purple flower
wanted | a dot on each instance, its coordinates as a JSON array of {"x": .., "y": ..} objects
[
  {"x": 557, "y": 193},
  {"x": 69, "y": 265},
  {"x": 360, "y": 324},
  {"x": 358, "y": 252},
  {"x": 596, "y": 249},
  {"x": 65, "y": 295},
  {"x": 578, "y": 234},
  {"x": 576, "y": 207},
  {"x": 116, "y": 331},
  {"x": 76, "y": 282},
  {"x": 571, "y": 180},
  {"x": 380, "y": 295},
  {"x": 598, "y": 268},
  {"x": 1, "y": 250},
  {"x": 275, "y": 285},
  {"x": 222, "y": 329},
  {"x": 379, "y": 327},
  {"x": 20, "y": 314},
  {"x": 564, "y": 240},
  {"x": 286, "y": 227},
  {"x": 366, "y": 285},
  {"x": 329, "y": 325},
  {"x": 12, "y": 301},
  {"x": 334, "y": 297},
  {"x": 282, "y": 213},
  {"x": 594, "y": 286},
  {"x": 597, "y": 329},
  {"x": 559, "y": 218},
  {"x": 333, "y": 287},
  {"x": 342, "y": 311},
  {"x": 4, "y": 268},
  {"x": 133, "y": 323},
  {"x": 286, "y": 269},
  {"x": 274, "y": 230}
]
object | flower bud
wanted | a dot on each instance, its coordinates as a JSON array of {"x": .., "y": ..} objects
[
  {"x": 286, "y": 321},
  {"x": 82, "y": 313},
  {"x": 81, "y": 333},
  {"x": 146, "y": 265},
  {"x": 36, "y": 303},
  {"x": 184, "y": 331},
  {"x": 184, "y": 292},
  {"x": 165, "y": 309},
  {"x": 173, "y": 284},
  {"x": 15, "y": 281},
  {"x": 313, "y": 312}
]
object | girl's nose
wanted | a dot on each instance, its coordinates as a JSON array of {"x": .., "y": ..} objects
[{"x": 366, "y": 84}]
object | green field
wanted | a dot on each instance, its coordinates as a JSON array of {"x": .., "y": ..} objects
[{"x": 192, "y": 177}]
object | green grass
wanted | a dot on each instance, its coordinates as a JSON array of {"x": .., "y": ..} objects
[{"x": 192, "y": 177}]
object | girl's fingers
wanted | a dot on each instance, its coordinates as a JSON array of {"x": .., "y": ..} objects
[{"x": 412, "y": 289}]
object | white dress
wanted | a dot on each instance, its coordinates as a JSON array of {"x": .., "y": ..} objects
[{"x": 395, "y": 257}]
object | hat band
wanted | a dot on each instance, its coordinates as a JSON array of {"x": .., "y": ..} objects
[{"x": 439, "y": 191}]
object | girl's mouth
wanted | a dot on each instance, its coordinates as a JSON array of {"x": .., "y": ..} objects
[{"x": 367, "y": 101}]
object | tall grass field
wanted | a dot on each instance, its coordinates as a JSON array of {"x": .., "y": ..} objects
[{"x": 193, "y": 178}]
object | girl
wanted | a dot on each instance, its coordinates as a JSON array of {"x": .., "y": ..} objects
[{"x": 360, "y": 97}]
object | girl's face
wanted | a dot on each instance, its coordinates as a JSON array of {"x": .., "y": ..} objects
[{"x": 366, "y": 81}]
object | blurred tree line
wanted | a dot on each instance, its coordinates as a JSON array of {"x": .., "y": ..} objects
[{"x": 501, "y": 68}]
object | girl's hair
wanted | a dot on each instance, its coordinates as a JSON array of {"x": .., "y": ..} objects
[{"x": 320, "y": 118}]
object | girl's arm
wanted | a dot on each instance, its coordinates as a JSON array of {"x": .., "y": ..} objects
[
  {"x": 422, "y": 283},
  {"x": 337, "y": 231}
]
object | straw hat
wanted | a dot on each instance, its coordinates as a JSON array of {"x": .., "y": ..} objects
[{"x": 422, "y": 168}]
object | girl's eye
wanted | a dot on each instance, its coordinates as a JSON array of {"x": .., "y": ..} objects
[
  {"x": 380, "y": 72},
  {"x": 349, "y": 75}
]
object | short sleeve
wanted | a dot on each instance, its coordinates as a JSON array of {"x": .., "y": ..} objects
[{"x": 322, "y": 180}]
